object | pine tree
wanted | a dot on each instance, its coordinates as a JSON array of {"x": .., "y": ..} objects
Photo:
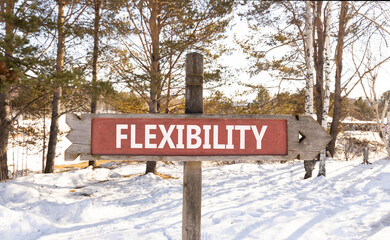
[
  {"x": 18, "y": 55},
  {"x": 155, "y": 34},
  {"x": 55, "y": 111},
  {"x": 64, "y": 80}
]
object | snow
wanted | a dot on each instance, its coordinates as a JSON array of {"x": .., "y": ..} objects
[
  {"x": 30, "y": 156},
  {"x": 239, "y": 201}
]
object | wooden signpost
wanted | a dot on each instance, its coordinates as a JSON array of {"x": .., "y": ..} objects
[{"x": 193, "y": 137}]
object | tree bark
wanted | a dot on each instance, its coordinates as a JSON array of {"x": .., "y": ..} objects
[
  {"x": 44, "y": 140},
  {"x": 53, "y": 138},
  {"x": 319, "y": 61},
  {"x": 155, "y": 72},
  {"x": 4, "y": 135},
  {"x": 380, "y": 121},
  {"x": 383, "y": 129},
  {"x": 325, "y": 109},
  {"x": 308, "y": 38},
  {"x": 95, "y": 56},
  {"x": 154, "y": 25},
  {"x": 343, "y": 20},
  {"x": 9, "y": 31},
  {"x": 387, "y": 143},
  {"x": 5, "y": 123}
]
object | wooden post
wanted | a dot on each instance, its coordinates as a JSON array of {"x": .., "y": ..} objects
[
  {"x": 365, "y": 156},
  {"x": 192, "y": 178}
]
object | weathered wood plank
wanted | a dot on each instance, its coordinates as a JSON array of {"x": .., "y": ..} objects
[
  {"x": 192, "y": 178},
  {"x": 79, "y": 135},
  {"x": 192, "y": 200}
]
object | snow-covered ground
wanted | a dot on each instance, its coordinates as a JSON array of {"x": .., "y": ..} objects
[
  {"x": 240, "y": 201},
  {"x": 23, "y": 157}
]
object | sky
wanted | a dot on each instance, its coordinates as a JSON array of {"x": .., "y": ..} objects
[{"x": 237, "y": 59}]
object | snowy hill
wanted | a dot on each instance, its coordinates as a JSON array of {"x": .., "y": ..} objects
[{"x": 240, "y": 201}]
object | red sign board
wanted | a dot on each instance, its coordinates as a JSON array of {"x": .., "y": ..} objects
[{"x": 188, "y": 137}]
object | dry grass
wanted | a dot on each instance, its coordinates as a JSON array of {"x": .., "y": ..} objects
[
  {"x": 165, "y": 176},
  {"x": 81, "y": 165},
  {"x": 71, "y": 166}
]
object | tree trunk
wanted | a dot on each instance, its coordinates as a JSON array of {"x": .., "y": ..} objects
[
  {"x": 155, "y": 72},
  {"x": 387, "y": 143},
  {"x": 5, "y": 123},
  {"x": 319, "y": 61},
  {"x": 95, "y": 55},
  {"x": 44, "y": 139},
  {"x": 154, "y": 56},
  {"x": 53, "y": 138},
  {"x": 9, "y": 31},
  {"x": 325, "y": 110},
  {"x": 339, "y": 67},
  {"x": 4, "y": 135},
  {"x": 308, "y": 38},
  {"x": 383, "y": 131}
]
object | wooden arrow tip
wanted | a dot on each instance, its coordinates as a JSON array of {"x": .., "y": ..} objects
[
  {"x": 71, "y": 118},
  {"x": 301, "y": 136},
  {"x": 70, "y": 156}
]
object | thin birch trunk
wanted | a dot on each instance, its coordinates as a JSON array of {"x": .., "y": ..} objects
[
  {"x": 308, "y": 39},
  {"x": 383, "y": 131},
  {"x": 324, "y": 122},
  {"x": 387, "y": 141}
]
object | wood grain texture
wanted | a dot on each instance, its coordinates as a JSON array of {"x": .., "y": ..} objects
[
  {"x": 192, "y": 200},
  {"x": 192, "y": 171},
  {"x": 80, "y": 136}
]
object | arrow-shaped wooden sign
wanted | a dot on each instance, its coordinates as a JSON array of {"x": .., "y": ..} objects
[{"x": 194, "y": 137}]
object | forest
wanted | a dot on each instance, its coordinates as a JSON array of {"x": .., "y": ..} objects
[
  {"x": 128, "y": 56},
  {"x": 261, "y": 74}
]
